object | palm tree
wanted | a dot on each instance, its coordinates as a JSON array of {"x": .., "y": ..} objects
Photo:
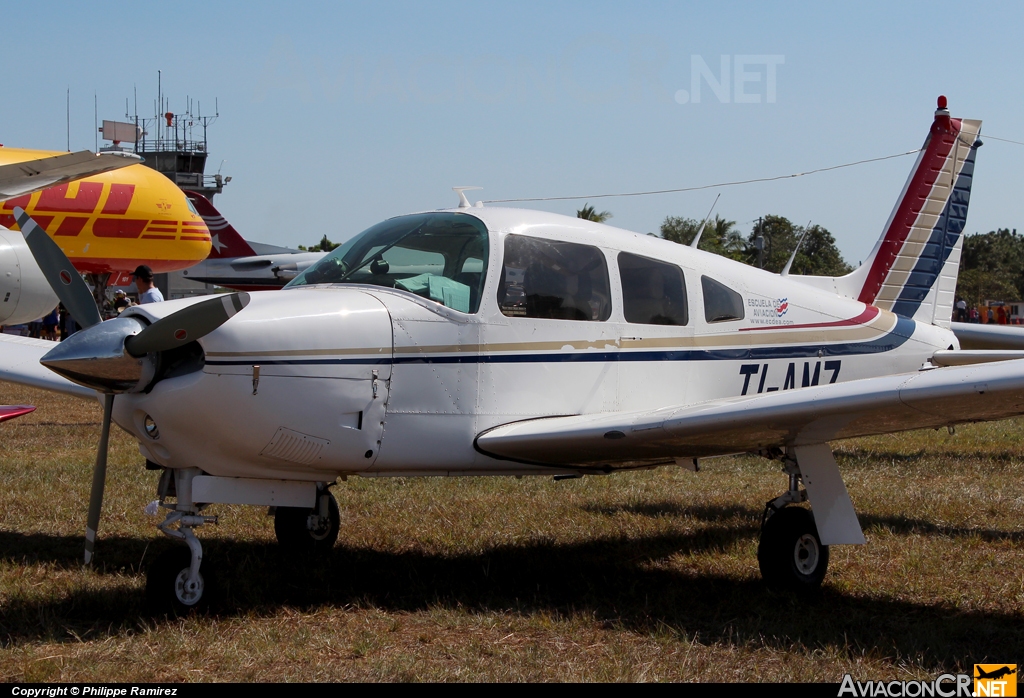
[{"x": 588, "y": 213}]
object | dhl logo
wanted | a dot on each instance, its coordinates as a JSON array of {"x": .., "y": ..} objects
[{"x": 66, "y": 209}]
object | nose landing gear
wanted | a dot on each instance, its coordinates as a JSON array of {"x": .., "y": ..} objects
[
  {"x": 171, "y": 588},
  {"x": 178, "y": 582}
]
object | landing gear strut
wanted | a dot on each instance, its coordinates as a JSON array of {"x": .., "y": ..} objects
[
  {"x": 177, "y": 582},
  {"x": 790, "y": 553},
  {"x": 309, "y": 530}
]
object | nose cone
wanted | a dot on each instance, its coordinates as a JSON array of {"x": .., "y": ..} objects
[{"x": 95, "y": 357}]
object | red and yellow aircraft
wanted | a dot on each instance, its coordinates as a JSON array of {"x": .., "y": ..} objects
[{"x": 112, "y": 222}]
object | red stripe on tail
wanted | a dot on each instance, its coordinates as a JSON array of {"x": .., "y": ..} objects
[{"x": 940, "y": 142}]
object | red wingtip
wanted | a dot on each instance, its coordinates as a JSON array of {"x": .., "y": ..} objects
[
  {"x": 12, "y": 411},
  {"x": 942, "y": 101}
]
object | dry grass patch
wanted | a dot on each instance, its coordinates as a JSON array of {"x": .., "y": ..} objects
[{"x": 635, "y": 577}]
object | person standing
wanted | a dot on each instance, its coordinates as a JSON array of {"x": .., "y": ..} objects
[
  {"x": 121, "y": 301},
  {"x": 50, "y": 325},
  {"x": 148, "y": 293}
]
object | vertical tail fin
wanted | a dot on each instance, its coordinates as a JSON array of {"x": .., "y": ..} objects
[
  {"x": 912, "y": 270},
  {"x": 226, "y": 240}
]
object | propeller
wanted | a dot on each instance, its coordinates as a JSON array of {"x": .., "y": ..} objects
[
  {"x": 92, "y": 343},
  {"x": 186, "y": 325},
  {"x": 64, "y": 279}
]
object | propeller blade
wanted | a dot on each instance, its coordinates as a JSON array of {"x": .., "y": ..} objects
[
  {"x": 64, "y": 279},
  {"x": 99, "y": 477},
  {"x": 186, "y": 325}
]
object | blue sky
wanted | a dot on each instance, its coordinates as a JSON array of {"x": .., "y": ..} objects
[{"x": 334, "y": 116}]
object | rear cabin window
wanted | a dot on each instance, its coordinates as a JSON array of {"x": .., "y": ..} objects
[
  {"x": 721, "y": 303},
  {"x": 553, "y": 280},
  {"x": 653, "y": 293}
]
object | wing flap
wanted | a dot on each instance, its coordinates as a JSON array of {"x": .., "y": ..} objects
[{"x": 812, "y": 415}]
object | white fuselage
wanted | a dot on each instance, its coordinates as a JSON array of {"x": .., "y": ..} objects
[{"x": 378, "y": 381}]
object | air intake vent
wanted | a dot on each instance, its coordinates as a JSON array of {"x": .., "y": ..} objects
[{"x": 295, "y": 447}]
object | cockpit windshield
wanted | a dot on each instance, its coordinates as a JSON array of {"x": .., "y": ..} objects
[{"x": 440, "y": 256}]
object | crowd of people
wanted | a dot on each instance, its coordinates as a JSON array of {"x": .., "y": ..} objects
[
  {"x": 992, "y": 315},
  {"x": 58, "y": 325}
]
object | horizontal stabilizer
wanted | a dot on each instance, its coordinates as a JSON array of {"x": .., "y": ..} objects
[
  {"x": 973, "y": 336},
  {"x": 952, "y": 357}
]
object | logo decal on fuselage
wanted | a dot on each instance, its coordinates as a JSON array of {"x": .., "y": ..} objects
[{"x": 768, "y": 311}]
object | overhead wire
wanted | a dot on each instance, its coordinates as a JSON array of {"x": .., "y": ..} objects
[
  {"x": 706, "y": 186},
  {"x": 1005, "y": 140}
]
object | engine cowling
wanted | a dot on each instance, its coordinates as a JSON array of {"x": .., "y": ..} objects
[{"x": 25, "y": 295}]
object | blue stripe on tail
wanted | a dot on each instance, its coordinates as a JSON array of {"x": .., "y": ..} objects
[{"x": 947, "y": 231}]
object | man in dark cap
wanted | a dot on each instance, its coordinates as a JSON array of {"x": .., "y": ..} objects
[{"x": 148, "y": 293}]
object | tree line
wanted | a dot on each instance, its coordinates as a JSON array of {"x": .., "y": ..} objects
[
  {"x": 772, "y": 239},
  {"x": 991, "y": 264}
]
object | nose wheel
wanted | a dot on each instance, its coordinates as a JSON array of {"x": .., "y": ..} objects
[
  {"x": 790, "y": 553},
  {"x": 170, "y": 588},
  {"x": 309, "y": 530}
]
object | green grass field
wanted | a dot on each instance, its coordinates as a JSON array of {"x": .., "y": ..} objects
[{"x": 644, "y": 576}]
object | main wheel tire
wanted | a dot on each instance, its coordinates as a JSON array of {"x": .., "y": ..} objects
[
  {"x": 166, "y": 591},
  {"x": 790, "y": 553},
  {"x": 296, "y": 530}
]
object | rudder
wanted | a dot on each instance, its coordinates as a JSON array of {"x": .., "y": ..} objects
[{"x": 913, "y": 268}]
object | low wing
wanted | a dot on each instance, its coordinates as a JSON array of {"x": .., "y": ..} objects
[
  {"x": 19, "y": 363},
  {"x": 813, "y": 415},
  {"x": 29, "y": 176}
]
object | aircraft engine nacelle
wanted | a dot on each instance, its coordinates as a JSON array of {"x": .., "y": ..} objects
[{"x": 25, "y": 294}]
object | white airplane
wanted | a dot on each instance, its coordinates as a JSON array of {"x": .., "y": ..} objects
[
  {"x": 234, "y": 264},
  {"x": 496, "y": 341}
]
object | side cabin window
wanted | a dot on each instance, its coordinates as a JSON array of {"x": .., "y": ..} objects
[
  {"x": 653, "y": 293},
  {"x": 721, "y": 303},
  {"x": 439, "y": 256},
  {"x": 553, "y": 280}
]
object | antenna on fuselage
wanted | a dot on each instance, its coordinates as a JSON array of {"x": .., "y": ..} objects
[
  {"x": 696, "y": 239},
  {"x": 785, "y": 269},
  {"x": 461, "y": 191}
]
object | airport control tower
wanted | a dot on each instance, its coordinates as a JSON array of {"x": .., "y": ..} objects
[
  {"x": 172, "y": 143},
  {"x": 175, "y": 149}
]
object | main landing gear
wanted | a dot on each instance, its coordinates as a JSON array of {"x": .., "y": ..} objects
[
  {"x": 790, "y": 553},
  {"x": 309, "y": 530}
]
